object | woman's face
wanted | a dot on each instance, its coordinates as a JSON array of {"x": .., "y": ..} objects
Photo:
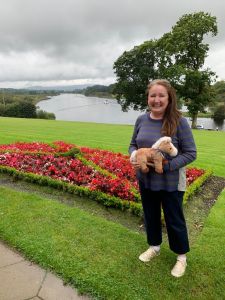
[{"x": 158, "y": 100}]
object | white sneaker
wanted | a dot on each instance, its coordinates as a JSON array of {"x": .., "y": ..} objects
[
  {"x": 148, "y": 254},
  {"x": 179, "y": 268}
]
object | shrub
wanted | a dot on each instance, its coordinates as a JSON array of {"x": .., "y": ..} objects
[{"x": 41, "y": 114}]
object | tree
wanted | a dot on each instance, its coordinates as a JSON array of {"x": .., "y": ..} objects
[
  {"x": 41, "y": 114},
  {"x": 185, "y": 44},
  {"x": 21, "y": 110},
  {"x": 219, "y": 88},
  {"x": 2, "y": 109},
  {"x": 177, "y": 56},
  {"x": 185, "y": 41},
  {"x": 197, "y": 92},
  {"x": 134, "y": 69},
  {"x": 219, "y": 114},
  {"x": 95, "y": 88}
]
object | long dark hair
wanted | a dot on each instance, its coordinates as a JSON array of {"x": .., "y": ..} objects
[{"x": 172, "y": 114}]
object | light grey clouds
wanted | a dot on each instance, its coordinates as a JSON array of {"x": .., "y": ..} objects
[{"x": 79, "y": 40}]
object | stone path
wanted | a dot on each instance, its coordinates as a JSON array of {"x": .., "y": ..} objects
[{"x": 23, "y": 280}]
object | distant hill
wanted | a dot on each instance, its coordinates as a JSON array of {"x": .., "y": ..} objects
[{"x": 85, "y": 89}]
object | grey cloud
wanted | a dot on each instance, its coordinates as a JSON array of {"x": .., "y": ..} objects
[{"x": 77, "y": 39}]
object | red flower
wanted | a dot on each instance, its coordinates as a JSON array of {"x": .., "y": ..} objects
[{"x": 121, "y": 184}]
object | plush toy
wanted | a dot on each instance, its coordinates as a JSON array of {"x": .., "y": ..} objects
[{"x": 153, "y": 156}]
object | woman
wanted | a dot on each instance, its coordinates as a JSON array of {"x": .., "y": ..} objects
[{"x": 164, "y": 190}]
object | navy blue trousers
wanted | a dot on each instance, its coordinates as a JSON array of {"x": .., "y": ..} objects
[{"x": 171, "y": 203}]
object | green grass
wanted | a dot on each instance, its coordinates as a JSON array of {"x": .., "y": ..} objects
[
  {"x": 211, "y": 150},
  {"x": 97, "y": 255},
  {"x": 100, "y": 257},
  {"x": 210, "y": 144},
  {"x": 105, "y": 136}
]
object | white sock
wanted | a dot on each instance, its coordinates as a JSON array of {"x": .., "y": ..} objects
[
  {"x": 182, "y": 257},
  {"x": 156, "y": 248}
]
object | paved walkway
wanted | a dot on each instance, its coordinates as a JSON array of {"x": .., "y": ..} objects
[{"x": 23, "y": 280}]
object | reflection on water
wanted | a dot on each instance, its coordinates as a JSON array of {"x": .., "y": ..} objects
[{"x": 76, "y": 107}]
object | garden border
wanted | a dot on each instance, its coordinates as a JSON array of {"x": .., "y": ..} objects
[{"x": 107, "y": 200}]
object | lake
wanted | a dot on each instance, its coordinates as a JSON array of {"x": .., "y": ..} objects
[{"x": 77, "y": 107}]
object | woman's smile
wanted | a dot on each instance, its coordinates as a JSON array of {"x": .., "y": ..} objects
[{"x": 158, "y": 100}]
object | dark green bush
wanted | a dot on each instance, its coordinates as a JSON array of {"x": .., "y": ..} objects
[{"x": 41, "y": 114}]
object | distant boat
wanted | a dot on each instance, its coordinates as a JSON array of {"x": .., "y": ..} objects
[{"x": 199, "y": 127}]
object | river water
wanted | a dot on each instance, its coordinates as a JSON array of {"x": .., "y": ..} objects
[{"x": 76, "y": 107}]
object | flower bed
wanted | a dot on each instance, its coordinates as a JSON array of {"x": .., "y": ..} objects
[{"x": 99, "y": 174}]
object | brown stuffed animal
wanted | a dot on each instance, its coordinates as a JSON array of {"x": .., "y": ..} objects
[{"x": 153, "y": 156}]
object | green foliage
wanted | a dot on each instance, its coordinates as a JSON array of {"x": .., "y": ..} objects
[
  {"x": 41, "y": 114},
  {"x": 197, "y": 92},
  {"x": 95, "y": 88},
  {"x": 106, "y": 200},
  {"x": 134, "y": 69},
  {"x": 21, "y": 103},
  {"x": 99, "y": 91},
  {"x": 21, "y": 110},
  {"x": 196, "y": 185},
  {"x": 17, "y": 95},
  {"x": 2, "y": 109},
  {"x": 219, "y": 114},
  {"x": 94, "y": 166},
  {"x": 178, "y": 56},
  {"x": 73, "y": 152},
  {"x": 219, "y": 88},
  {"x": 185, "y": 41}
]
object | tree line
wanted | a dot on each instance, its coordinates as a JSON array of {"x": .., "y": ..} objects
[
  {"x": 22, "y": 104},
  {"x": 98, "y": 90}
]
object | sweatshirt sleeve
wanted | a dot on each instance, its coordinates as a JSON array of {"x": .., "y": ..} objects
[
  {"x": 187, "y": 149},
  {"x": 133, "y": 145}
]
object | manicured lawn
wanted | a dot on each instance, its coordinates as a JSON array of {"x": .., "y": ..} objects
[
  {"x": 100, "y": 257},
  {"x": 104, "y": 136},
  {"x": 211, "y": 150},
  {"x": 210, "y": 144}
]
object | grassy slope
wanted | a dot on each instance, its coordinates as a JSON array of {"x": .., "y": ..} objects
[
  {"x": 104, "y": 256},
  {"x": 210, "y": 144},
  {"x": 97, "y": 255}
]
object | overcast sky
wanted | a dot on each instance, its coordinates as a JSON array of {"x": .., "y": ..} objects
[{"x": 64, "y": 42}]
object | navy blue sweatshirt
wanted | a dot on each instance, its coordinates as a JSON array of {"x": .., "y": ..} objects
[{"x": 146, "y": 133}]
